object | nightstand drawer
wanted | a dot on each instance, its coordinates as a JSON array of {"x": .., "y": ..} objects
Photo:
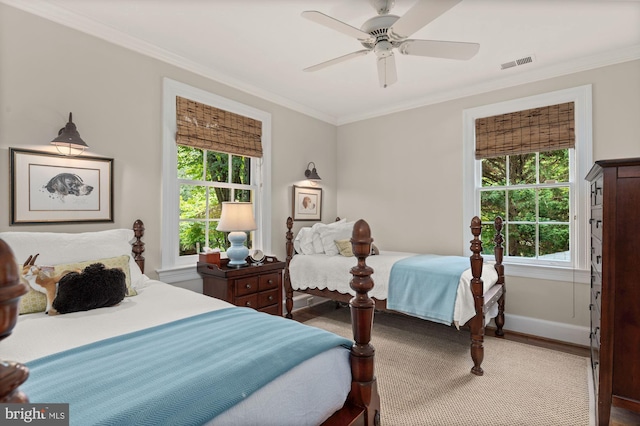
[
  {"x": 266, "y": 298},
  {"x": 246, "y": 286},
  {"x": 268, "y": 281},
  {"x": 250, "y": 301}
]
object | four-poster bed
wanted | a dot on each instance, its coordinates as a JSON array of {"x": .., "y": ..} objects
[
  {"x": 481, "y": 288},
  {"x": 43, "y": 341}
]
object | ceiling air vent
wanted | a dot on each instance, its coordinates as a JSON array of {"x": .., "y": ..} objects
[{"x": 517, "y": 62}]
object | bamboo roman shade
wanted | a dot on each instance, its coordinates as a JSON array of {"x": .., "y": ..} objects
[
  {"x": 539, "y": 129},
  {"x": 206, "y": 127}
]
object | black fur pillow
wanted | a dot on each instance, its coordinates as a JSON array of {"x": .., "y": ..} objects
[{"x": 94, "y": 287}]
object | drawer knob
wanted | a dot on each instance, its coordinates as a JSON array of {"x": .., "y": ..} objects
[
  {"x": 247, "y": 303},
  {"x": 247, "y": 286},
  {"x": 270, "y": 281},
  {"x": 270, "y": 298}
]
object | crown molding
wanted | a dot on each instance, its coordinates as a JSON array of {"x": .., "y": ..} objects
[
  {"x": 556, "y": 70},
  {"x": 83, "y": 24}
]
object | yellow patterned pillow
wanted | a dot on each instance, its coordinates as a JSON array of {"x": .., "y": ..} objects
[
  {"x": 344, "y": 247},
  {"x": 35, "y": 301}
]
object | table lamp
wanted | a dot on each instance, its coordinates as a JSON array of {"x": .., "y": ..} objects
[{"x": 237, "y": 218}]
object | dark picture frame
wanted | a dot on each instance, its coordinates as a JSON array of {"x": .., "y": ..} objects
[
  {"x": 51, "y": 188},
  {"x": 307, "y": 203}
]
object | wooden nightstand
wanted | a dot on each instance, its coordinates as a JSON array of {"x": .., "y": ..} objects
[{"x": 253, "y": 286}]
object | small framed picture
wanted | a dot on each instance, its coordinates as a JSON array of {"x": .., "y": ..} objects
[
  {"x": 307, "y": 203},
  {"x": 52, "y": 188}
]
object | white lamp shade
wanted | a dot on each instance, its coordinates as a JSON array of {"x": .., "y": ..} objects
[{"x": 236, "y": 216}]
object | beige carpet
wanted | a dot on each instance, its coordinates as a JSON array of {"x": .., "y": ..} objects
[{"x": 423, "y": 377}]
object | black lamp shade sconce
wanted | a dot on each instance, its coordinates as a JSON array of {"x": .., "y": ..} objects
[
  {"x": 69, "y": 141},
  {"x": 311, "y": 174}
]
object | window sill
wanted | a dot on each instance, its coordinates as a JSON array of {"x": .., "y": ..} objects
[
  {"x": 545, "y": 272},
  {"x": 178, "y": 274}
]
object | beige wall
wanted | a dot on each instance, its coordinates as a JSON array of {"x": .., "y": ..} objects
[
  {"x": 47, "y": 70},
  {"x": 403, "y": 174}
]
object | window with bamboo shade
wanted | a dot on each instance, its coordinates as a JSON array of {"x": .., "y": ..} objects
[{"x": 526, "y": 180}]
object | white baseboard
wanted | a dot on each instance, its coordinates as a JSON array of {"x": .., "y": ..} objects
[
  {"x": 303, "y": 300},
  {"x": 563, "y": 332},
  {"x": 569, "y": 333}
]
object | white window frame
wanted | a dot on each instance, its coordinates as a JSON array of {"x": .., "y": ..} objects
[
  {"x": 580, "y": 164},
  {"x": 177, "y": 268}
]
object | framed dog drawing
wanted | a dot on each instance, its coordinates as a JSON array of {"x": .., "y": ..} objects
[
  {"x": 52, "y": 188},
  {"x": 307, "y": 203}
]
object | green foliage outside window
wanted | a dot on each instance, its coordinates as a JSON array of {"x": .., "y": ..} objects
[
  {"x": 206, "y": 178},
  {"x": 531, "y": 193}
]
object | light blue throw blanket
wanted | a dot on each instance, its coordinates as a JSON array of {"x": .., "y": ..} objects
[
  {"x": 425, "y": 286},
  {"x": 182, "y": 373}
]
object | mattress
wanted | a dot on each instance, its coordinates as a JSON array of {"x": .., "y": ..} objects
[
  {"x": 319, "y": 271},
  {"x": 299, "y": 399}
]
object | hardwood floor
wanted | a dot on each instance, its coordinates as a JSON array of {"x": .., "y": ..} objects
[{"x": 619, "y": 417}]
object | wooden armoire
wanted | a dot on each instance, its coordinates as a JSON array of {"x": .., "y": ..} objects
[{"x": 615, "y": 285}]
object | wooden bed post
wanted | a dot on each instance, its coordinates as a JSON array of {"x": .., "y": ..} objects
[
  {"x": 476, "y": 324},
  {"x": 12, "y": 374},
  {"x": 499, "y": 252},
  {"x": 364, "y": 390},
  {"x": 288, "y": 290},
  {"x": 138, "y": 246}
]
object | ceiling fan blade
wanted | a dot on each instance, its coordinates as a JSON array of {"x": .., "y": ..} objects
[
  {"x": 337, "y": 60},
  {"x": 420, "y": 14},
  {"x": 334, "y": 24},
  {"x": 439, "y": 49},
  {"x": 387, "y": 71}
]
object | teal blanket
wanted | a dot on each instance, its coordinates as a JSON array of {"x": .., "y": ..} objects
[
  {"x": 425, "y": 286},
  {"x": 182, "y": 373}
]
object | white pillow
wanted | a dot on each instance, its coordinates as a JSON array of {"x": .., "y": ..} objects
[
  {"x": 56, "y": 247},
  {"x": 330, "y": 233},
  {"x": 303, "y": 242},
  {"x": 317, "y": 244}
]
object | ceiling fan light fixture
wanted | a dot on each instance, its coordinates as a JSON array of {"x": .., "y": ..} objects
[{"x": 384, "y": 32}]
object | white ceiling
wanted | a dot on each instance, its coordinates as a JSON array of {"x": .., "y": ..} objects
[{"x": 261, "y": 46}]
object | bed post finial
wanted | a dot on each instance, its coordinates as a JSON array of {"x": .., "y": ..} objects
[
  {"x": 364, "y": 390},
  {"x": 12, "y": 374},
  {"x": 476, "y": 324},
  {"x": 288, "y": 290}
]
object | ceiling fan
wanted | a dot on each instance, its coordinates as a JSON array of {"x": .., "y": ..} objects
[{"x": 385, "y": 32}]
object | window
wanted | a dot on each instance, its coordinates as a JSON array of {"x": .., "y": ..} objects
[
  {"x": 206, "y": 179},
  {"x": 540, "y": 192},
  {"x": 532, "y": 193},
  {"x": 197, "y": 179}
]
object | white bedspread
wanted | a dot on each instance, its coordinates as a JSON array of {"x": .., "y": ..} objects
[
  {"x": 299, "y": 400},
  {"x": 319, "y": 271}
]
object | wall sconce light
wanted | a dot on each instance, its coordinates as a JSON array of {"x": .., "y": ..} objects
[
  {"x": 237, "y": 218},
  {"x": 312, "y": 174},
  {"x": 69, "y": 141}
]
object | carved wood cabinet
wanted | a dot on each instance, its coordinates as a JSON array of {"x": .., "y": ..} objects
[
  {"x": 615, "y": 285},
  {"x": 253, "y": 286}
]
